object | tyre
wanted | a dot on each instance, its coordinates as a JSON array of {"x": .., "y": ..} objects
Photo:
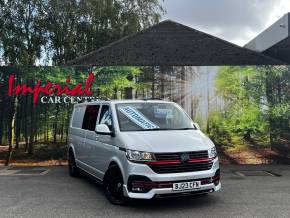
[
  {"x": 113, "y": 186},
  {"x": 72, "y": 166}
]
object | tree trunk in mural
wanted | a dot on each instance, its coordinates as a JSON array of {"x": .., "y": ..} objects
[
  {"x": 55, "y": 124},
  {"x": 25, "y": 123},
  {"x": 182, "y": 87},
  {"x": 11, "y": 129},
  {"x": 45, "y": 127},
  {"x": 153, "y": 84},
  {"x": 192, "y": 111},
  {"x": 270, "y": 100},
  {"x": 31, "y": 132},
  {"x": 162, "y": 84},
  {"x": 129, "y": 90},
  {"x": 18, "y": 122},
  {"x": 208, "y": 102},
  {"x": 1, "y": 117}
]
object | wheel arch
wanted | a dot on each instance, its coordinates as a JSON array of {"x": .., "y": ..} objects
[
  {"x": 115, "y": 162},
  {"x": 71, "y": 149}
]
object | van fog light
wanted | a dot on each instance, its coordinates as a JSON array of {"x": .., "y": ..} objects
[
  {"x": 137, "y": 189},
  {"x": 140, "y": 186}
]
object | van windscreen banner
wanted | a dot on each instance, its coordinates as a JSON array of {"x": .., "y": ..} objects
[{"x": 138, "y": 118}]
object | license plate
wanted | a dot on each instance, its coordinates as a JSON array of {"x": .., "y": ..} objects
[{"x": 185, "y": 185}]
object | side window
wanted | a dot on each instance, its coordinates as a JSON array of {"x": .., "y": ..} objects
[
  {"x": 90, "y": 117},
  {"x": 78, "y": 115},
  {"x": 106, "y": 117}
]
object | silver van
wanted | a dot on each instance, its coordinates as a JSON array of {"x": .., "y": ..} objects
[{"x": 141, "y": 149}]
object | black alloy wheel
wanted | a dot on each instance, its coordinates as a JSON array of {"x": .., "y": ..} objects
[{"x": 113, "y": 186}]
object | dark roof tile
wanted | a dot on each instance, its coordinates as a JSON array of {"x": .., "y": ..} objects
[{"x": 172, "y": 44}]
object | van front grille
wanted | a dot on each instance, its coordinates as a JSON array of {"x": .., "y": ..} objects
[
  {"x": 179, "y": 168},
  {"x": 172, "y": 162},
  {"x": 176, "y": 156}
]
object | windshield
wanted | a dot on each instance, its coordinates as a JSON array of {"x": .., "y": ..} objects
[{"x": 149, "y": 116}]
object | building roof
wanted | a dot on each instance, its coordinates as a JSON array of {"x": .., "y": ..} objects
[{"x": 172, "y": 44}]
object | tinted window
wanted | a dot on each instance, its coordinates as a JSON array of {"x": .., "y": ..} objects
[
  {"x": 78, "y": 116},
  {"x": 90, "y": 117},
  {"x": 106, "y": 117}
]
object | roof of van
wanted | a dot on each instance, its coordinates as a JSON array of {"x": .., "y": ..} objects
[{"x": 122, "y": 101}]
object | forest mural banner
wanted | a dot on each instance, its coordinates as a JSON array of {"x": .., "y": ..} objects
[{"x": 245, "y": 110}]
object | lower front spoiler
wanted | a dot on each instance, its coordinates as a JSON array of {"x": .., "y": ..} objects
[
  {"x": 168, "y": 192},
  {"x": 183, "y": 194}
]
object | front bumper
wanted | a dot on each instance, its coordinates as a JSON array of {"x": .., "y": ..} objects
[{"x": 143, "y": 170}]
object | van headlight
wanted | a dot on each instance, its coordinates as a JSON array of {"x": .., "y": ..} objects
[
  {"x": 139, "y": 155},
  {"x": 212, "y": 153}
]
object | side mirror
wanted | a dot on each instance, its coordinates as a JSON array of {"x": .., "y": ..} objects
[{"x": 103, "y": 129}]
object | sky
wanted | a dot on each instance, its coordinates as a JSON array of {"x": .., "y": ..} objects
[{"x": 237, "y": 21}]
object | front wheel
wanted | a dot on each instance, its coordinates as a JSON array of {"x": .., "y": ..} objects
[{"x": 113, "y": 186}]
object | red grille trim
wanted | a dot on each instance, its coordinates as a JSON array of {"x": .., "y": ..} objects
[{"x": 196, "y": 160}]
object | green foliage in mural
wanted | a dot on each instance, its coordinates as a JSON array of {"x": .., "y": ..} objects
[{"x": 256, "y": 103}]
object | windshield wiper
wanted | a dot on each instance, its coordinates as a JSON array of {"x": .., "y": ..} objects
[
  {"x": 160, "y": 129},
  {"x": 187, "y": 128},
  {"x": 154, "y": 129}
]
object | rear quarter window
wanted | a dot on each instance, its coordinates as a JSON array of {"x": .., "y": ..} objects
[{"x": 78, "y": 116}]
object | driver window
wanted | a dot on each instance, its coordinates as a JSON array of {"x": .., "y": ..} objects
[{"x": 106, "y": 117}]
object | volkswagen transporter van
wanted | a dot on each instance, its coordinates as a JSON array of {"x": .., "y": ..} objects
[{"x": 141, "y": 149}]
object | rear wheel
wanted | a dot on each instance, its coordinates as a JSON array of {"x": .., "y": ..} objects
[
  {"x": 113, "y": 186},
  {"x": 72, "y": 166}
]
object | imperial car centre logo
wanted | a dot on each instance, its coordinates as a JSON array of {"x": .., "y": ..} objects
[{"x": 52, "y": 93}]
